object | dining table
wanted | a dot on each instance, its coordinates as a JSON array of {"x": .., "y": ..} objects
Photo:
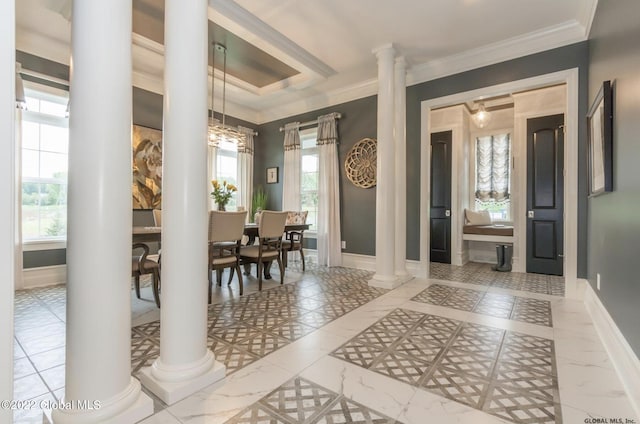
[{"x": 142, "y": 234}]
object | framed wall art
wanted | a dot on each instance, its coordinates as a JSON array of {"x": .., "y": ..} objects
[
  {"x": 272, "y": 175},
  {"x": 600, "y": 127},
  {"x": 147, "y": 168}
]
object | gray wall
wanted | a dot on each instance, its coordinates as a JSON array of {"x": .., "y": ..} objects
[
  {"x": 359, "y": 120},
  {"x": 614, "y": 227},
  {"x": 357, "y": 206}
]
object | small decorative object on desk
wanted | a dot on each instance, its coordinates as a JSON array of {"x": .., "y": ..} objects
[{"x": 222, "y": 193}]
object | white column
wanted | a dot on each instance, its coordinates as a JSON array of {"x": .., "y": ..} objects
[
  {"x": 185, "y": 364},
  {"x": 385, "y": 196},
  {"x": 401, "y": 170},
  {"x": 98, "y": 366},
  {"x": 7, "y": 199}
]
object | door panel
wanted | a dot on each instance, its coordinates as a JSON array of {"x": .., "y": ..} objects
[
  {"x": 440, "y": 212},
  {"x": 545, "y": 194}
]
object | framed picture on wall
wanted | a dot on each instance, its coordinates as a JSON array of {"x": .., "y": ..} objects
[
  {"x": 600, "y": 126},
  {"x": 272, "y": 175}
]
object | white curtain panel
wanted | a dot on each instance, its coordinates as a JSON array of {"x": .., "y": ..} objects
[
  {"x": 212, "y": 155},
  {"x": 291, "y": 175},
  {"x": 329, "y": 238},
  {"x": 245, "y": 172},
  {"x": 18, "y": 284}
]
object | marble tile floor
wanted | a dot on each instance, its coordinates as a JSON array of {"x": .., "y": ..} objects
[{"x": 483, "y": 368}]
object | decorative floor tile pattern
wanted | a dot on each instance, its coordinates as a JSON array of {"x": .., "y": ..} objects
[
  {"x": 245, "y": 329},
  {"x": 301, "y": 401},
  {"x": 504, "y": 373},
  {"x": 482, "y": 274},
  {"x": 517, "y": 308}
]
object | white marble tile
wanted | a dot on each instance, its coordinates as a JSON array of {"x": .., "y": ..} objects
[
  {"x": 572, "y": 315},
  {"x": 305, "y": 351},
  {"x": 476, "y": 287},
  {"x": 520, "y": 293},
  {"x": 597, "y": 390},
  {"x": 582, "y": 347},
  {"x": 163, "y": 417},
  {"x": 376, "y": 391},
  {"x": 442, "y": 311},
  {"x": 442, "y": 411},
  {"x": 221, "y": 401}
]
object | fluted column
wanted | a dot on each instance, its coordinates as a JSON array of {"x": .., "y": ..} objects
[
  {"x": 385, "y": 197},
  {"x": 185, "y": 364},
  {"x": 7, "y": 199},
  {"x": 98, "y": 351},
  {"x": 401, "y": 168}
]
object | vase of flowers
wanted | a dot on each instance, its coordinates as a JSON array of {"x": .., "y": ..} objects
[{"x": 222, "y": 193}]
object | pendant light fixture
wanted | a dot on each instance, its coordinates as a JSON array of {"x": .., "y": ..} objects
[
  {"x": 220, "y": 131},
  {"x": 481, "y": 118}
]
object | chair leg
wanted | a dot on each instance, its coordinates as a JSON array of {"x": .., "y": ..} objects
[
  {"x": 231, "y": 271},
  {"x": 210, "y": 271},
  {"x": 302, "y": 259},
  {"x": 156, "y": 287},
  {"x": 285, "y": 258},
  {"x": 219, "y": 277},
  {"x": 136, "y": 284},
  {"x": 281, "y": 265},
  {"x": 239, "y": 278},
  {"x": 260, "y": 266}
]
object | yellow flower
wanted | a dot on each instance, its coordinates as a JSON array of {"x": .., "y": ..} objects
[{"x": 231, "y": 187}]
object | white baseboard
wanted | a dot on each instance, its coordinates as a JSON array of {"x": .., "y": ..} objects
[
  {"x": 43, "y": 276},
  {"x": 624, "y": 359},
  {"x": 354, "y": 260}
]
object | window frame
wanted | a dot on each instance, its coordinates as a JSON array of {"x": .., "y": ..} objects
[
  {"x": 54, "y": 95},
  {"x": 473, "y": 140}
]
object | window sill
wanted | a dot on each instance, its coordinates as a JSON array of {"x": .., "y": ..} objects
[{"x": 34, "y": 245}]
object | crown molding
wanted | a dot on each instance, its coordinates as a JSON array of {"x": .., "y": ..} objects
[{"x": 534, "y": 42}]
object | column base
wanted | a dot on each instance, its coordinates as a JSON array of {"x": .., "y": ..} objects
[
  {"x": 173, "y": 391},
  {"x": 128, "y": 407},
  {"x": 389, "y": 282}
]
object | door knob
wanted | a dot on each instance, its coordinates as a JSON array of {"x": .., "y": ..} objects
[
  {"x": 531, "y": 214},
  {"x": 447, "y": 213}
]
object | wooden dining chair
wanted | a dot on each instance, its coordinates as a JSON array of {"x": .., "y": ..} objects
[
  {"x": 293, "y": 239},
  {"x": 141, "y": 265},
  {"x": 269, "y": 246},
  {"x": 157, "y": 222},
  {"x": 225, "y": 235}
]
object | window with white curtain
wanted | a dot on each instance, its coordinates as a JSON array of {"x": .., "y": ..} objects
[
  {"x": 45, "y": 143},
  {"x": 309, "y": 176},
  {"x": 227, "y": 168},
  {"x": 493, "y": 175}
]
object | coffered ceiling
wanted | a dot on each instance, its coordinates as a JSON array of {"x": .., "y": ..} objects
[{"x": 291, "y": 56}]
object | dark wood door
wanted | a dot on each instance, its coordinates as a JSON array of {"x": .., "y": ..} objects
[
  {"x": 545, "y": 194},
  {"x": 440, "y": 213}
]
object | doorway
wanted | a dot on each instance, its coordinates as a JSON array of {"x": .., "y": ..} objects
[{"x": 570, "y": 199}]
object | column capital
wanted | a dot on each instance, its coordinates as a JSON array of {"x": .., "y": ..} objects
[
  {"x": 401, "y": 63},
  {"x": 384, "y": 50}
]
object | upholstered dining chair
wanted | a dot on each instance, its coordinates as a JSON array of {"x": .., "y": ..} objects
[
  {"x": 225, "y": 235},
  {"x": 157, "y": 222},
  {"x": 269, "y": 245},
  {"x": 293, "y": 239},
  {"x": 141, "y": 265}
]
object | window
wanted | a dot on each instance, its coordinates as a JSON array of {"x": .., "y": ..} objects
[
  {"x": 309, "y": 176},
  {"x": 45, "y": 142},
  {"x": 493, "y": 175},
  {"x": 227, "y": 168}
]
